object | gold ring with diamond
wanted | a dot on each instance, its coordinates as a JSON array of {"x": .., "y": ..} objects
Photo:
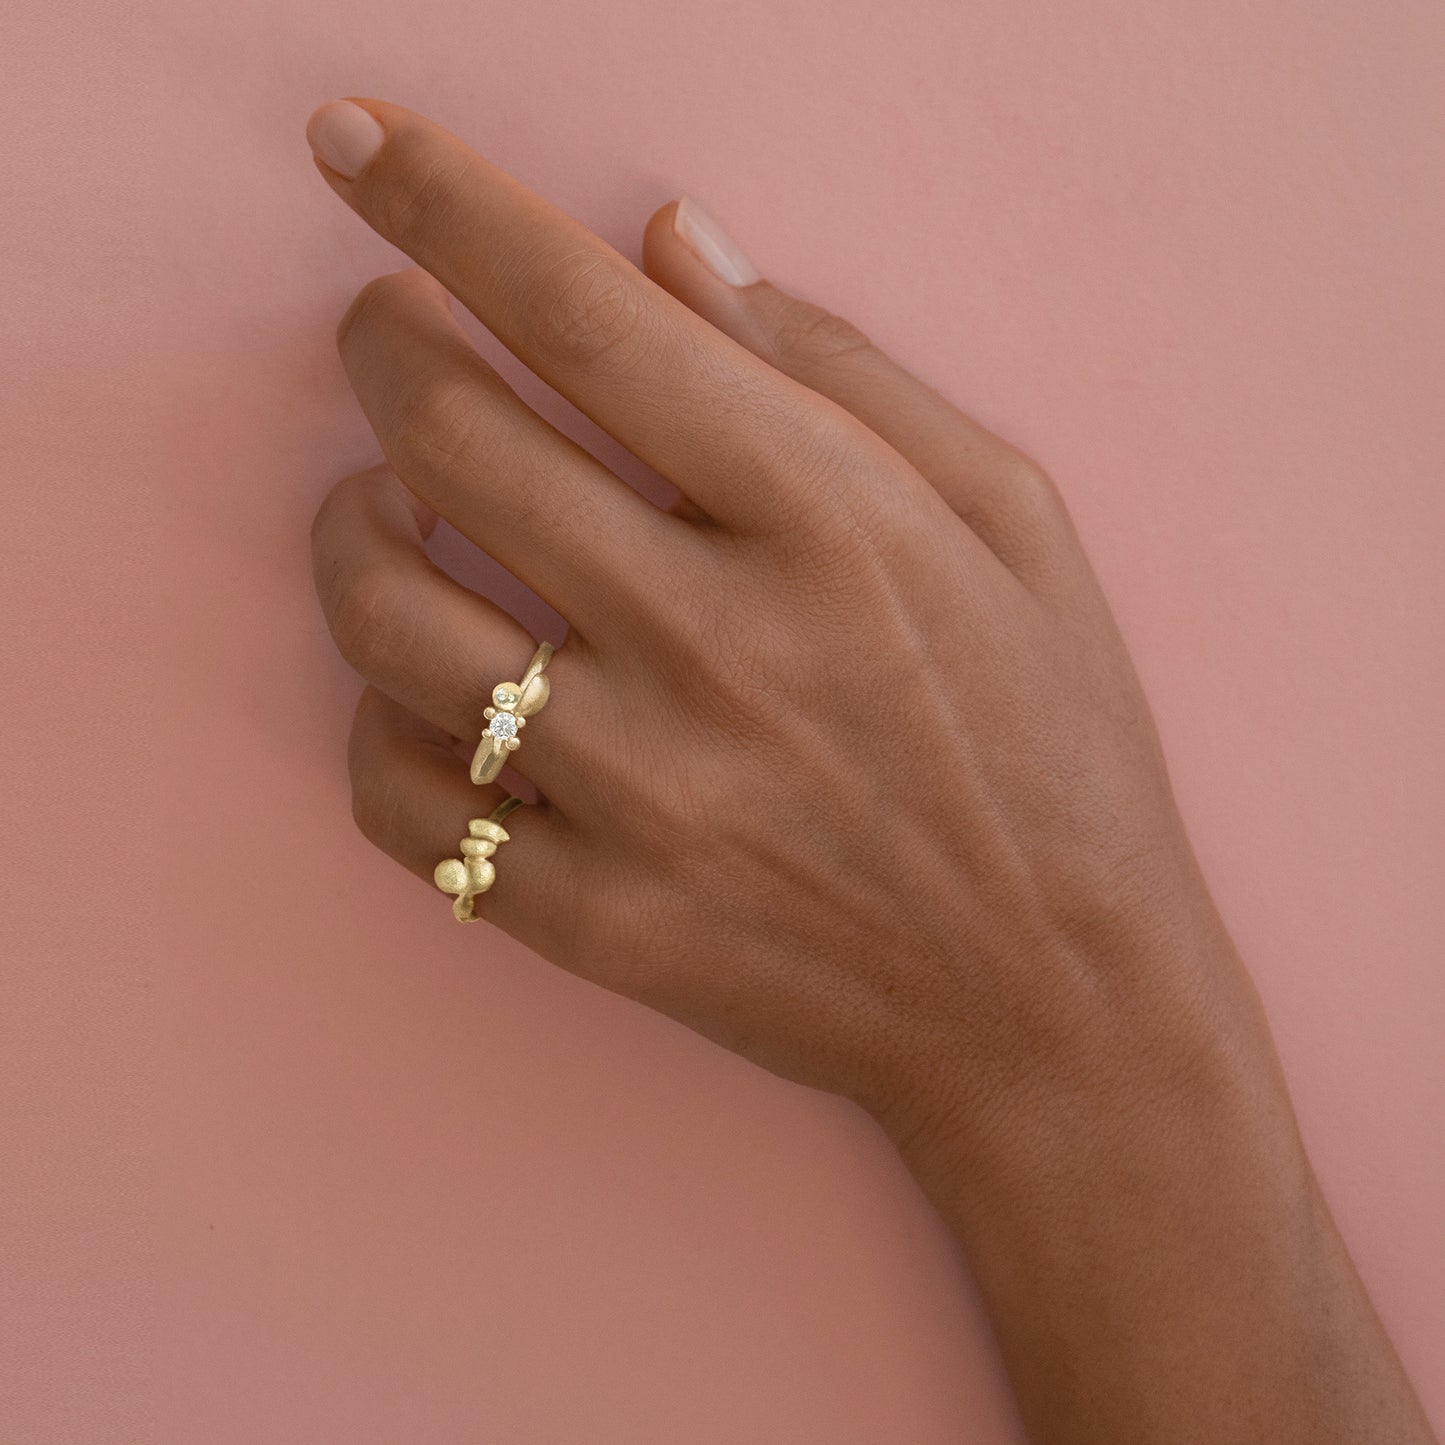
[
  {"x": 512, "y": 704},
  {"x": 474, "y": 872}
]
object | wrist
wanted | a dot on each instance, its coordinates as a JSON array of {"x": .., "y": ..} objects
[
  {"x": 1142, "y": 1222},
  {"x": 1165, "y": 1057},
  {"x": 1150, "y": 1243}
]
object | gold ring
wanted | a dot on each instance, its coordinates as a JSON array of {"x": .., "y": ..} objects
[
  {"x": 512, "y": 704},
  {"x": 474, "y": 872}
]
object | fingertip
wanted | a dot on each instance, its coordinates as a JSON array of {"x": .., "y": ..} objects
[
  {"x": 682, "y": 239},
  {"x": 344, "y": 136},
  {"x": 660, "y": 244},
  {"x": 705, "y": 237},
  {"x": 659, "y": 229}
]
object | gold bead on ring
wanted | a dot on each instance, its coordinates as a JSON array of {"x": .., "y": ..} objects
[
  {"x": 474, "y": 872},
  {"x": 512, "y": 704}
]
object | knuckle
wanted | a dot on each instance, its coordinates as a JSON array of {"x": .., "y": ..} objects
[
  {"x": 816, "y": 337},
  {"x": 1030, "y": 503},
  {"x": 376, "y": 795},
  {"x": 746, "y": 671},
  {"x": 352, "y": 495},
  {"x": 1027, "y": 479},
  {"x": 376, "y": 802},
  {"x": 372, "y": 618},
  {"x": 419, "y": 198},
  {"x": 590, "y": 307},
  {"x": 819, "y": 441},
  {"x": 681, "y": 804},
  {"x": 366, "y": 308},
  {"x": 366, "y": 805},
  {"x": 333, "y": 506},
  {"x": 827, "y": 478},
  {"x": 731, "y": 664},
  {"x": 435, "y": 422}
]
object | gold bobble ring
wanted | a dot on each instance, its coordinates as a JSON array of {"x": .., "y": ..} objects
[
  {"x": 512, "y": 704},
  {"x": 474, "y": 872}
]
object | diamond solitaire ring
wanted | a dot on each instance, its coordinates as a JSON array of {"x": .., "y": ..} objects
[{"x": 512, "y": 704}]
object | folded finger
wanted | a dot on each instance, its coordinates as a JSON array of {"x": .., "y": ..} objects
[
  {"x": 407, "y": 627},
  {"x": 465, "y": 443},
  {"x": 413, "y": 798}
]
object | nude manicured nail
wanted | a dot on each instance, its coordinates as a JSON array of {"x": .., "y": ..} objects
[
  {"x": 712, "y": 245},
  {"x": 344, "y": 136}
]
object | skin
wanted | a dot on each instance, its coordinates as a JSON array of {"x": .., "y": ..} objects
[{"x": 847, "y": 768}]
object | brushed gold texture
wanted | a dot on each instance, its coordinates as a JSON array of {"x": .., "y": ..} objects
[{"x": 474, "y": 872}]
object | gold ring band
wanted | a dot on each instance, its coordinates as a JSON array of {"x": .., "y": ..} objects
[
  {"x": 512, "y": 704},
  {"x": 474, "y": 872}
]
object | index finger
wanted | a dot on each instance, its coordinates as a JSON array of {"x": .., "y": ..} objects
[{"x": 686, "y": 399}]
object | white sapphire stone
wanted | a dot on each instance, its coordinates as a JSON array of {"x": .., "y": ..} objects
[{"x": 504, "y": 726}]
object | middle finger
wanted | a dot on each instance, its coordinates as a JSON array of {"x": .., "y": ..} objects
[{"x": 698, "y": 408}]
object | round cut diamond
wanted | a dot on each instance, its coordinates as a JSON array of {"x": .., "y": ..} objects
[{"x": 504, "y": 726}]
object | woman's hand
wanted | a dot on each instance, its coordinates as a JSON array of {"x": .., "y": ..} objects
[{"x": 845, "y": 765}]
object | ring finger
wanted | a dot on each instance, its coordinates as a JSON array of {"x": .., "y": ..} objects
[{"x": 418, "y": 635}]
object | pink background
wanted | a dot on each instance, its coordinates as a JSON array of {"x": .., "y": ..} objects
[{"x": 288, "y": 1157}]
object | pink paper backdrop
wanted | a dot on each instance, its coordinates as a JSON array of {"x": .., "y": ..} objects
[{"x": 287, "y": 1157}]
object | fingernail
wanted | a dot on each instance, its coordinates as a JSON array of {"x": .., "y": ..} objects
[
  {"x": 344, "y": 136},
  {"x": 712, "y": 245}
]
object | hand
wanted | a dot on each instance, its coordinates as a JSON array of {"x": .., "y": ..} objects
[{"x": 845, "y": 765}]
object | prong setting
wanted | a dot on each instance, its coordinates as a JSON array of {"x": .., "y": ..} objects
[{"x": 511, "y": 703}]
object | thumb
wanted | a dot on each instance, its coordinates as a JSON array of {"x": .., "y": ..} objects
[{"x": 1002, "y": 494}]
